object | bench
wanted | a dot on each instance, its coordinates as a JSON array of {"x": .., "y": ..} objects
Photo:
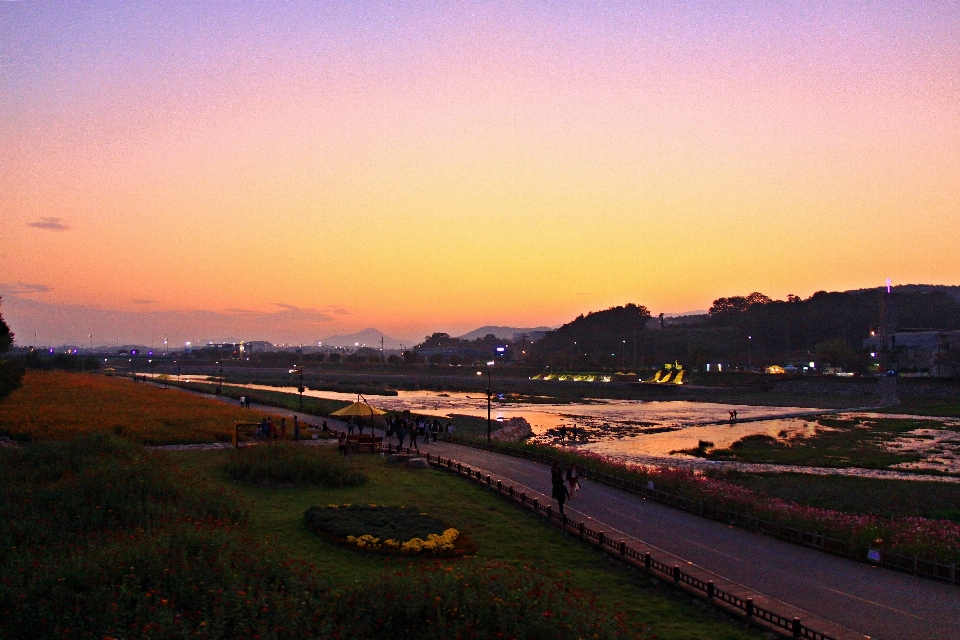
[{"x": 357, "y": 442}]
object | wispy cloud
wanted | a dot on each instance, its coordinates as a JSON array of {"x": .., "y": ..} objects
[
  {"x": 50, "y": 224},
  {"x": 23, "y": 288},
  {"x": 142, "y": 301}
]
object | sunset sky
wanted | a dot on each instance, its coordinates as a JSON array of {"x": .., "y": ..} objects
[{"x": 290, "y": 170}]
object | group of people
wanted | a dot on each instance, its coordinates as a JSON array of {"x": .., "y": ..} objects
[
  {"x": 574, "y": 432},
  {"x": 418, "y": 428},
  {"x": 565, "y": 483},
  {"x": 733, "y": 417},
  {"x": 267, "y": 430}
]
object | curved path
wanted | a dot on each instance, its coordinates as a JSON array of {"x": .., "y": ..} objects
[
  {"x": 871, "y": 602},
  {"x": 874, "y": 602}
]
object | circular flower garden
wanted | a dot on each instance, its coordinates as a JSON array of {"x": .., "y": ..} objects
[{"x": 388, "y": 529}]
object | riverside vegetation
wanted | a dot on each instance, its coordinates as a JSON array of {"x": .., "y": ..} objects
[{"x": 104, "y": 538}]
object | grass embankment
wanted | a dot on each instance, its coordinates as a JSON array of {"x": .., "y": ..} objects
[
  {"x": 935, "y": 407},
  {"x": 842, "y": 442},
  {"x": 850, "y": 494},
  {"x": 502, "y": 532},
  {"x": 54, "y": 405}
]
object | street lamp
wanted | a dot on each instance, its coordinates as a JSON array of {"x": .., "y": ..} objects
[
  {"x": 299, "y": 369},
  {"x": 480, "y": 373},
  {"x": 749, "y": 353},
  {"x": 220, "y": 382}
]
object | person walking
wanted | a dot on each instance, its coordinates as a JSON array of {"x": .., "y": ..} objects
[
  {"x": 413, "y": 437},
  {"x": 560, "y": 492},
  {"x": 573, "y": 479},
  {"x": 401, "y": 434}
]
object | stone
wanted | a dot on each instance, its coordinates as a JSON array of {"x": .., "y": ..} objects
[
  {"x": 400, "y": 458},
  {"x": 418, "y": 463}
]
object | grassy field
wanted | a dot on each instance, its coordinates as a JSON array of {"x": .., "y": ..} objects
[
  {"x": 844, "y": 442},
  {"x": 927, "y": 407},
  {"x": 61, "y": 406},
  {"x": 54, "y": 405},
  {"x": 851, "y": 494},
  {"x": 502, "y": 532}
]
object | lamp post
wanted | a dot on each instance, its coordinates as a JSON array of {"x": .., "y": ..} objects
[
  {"x": 220, "y": 382},
  {"x": 299, "y": 369},
  {"x": 749, "y": 353},
  {"x": 480, "y": 373}
]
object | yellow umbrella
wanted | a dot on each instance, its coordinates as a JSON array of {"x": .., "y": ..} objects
[{"x": 361, "y": 409}]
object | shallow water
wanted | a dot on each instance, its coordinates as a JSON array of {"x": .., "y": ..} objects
[
  {"x": 649, "y": 427},
  {"x": 652, "y": 431}
]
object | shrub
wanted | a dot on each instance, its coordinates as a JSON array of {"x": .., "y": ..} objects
[
  {"x": 476, "y": 600},
  {"x": 11, "y": 372},
  {"x": 292, "y": 464}
]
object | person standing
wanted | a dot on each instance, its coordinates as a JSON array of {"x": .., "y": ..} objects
[
  {"x": 413, "y": 437},
  {"x": 296, "y": 429},
  {"x": 342, "y": 445},
  {"x": 401, "y": 434}
]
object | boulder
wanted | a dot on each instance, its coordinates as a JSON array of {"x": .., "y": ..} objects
[
  {"x": 418, "y": 463},
  {"x": 513, "y": 430},
  {"x": 401, "y": 458}
]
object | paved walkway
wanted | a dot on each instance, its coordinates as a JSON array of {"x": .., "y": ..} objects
[{"x": 876, "y": 603}]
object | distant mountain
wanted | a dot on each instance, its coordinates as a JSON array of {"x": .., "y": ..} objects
[
  {"x": 368, "y": 337},
  {"x": 504, "y": 333}
]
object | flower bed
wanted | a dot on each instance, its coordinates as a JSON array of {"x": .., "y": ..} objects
[{"x": 387, "y": 529}]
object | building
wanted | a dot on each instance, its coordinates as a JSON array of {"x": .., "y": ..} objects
[{"x": 923, "y": 352}]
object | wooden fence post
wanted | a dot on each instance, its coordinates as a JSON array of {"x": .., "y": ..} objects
[
  {"x": 647, "y": 560},
  {"x": 711, "y": 588}
]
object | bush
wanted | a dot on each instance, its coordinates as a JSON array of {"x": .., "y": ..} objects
[
  {"x": 292, "y": 464},
  {"x": 476, "y": 600},
  {"x": 11, "y": 373}
]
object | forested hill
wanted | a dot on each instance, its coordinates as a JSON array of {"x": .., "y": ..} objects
[{"x": 830, "y": 325}]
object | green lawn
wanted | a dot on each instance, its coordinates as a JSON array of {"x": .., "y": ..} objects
[
  {"x": 851, "y": 494},
  {"x": 501, "y": 530}
]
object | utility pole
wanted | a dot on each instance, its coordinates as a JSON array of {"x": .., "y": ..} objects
[{"x": 489, "y": 429}]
